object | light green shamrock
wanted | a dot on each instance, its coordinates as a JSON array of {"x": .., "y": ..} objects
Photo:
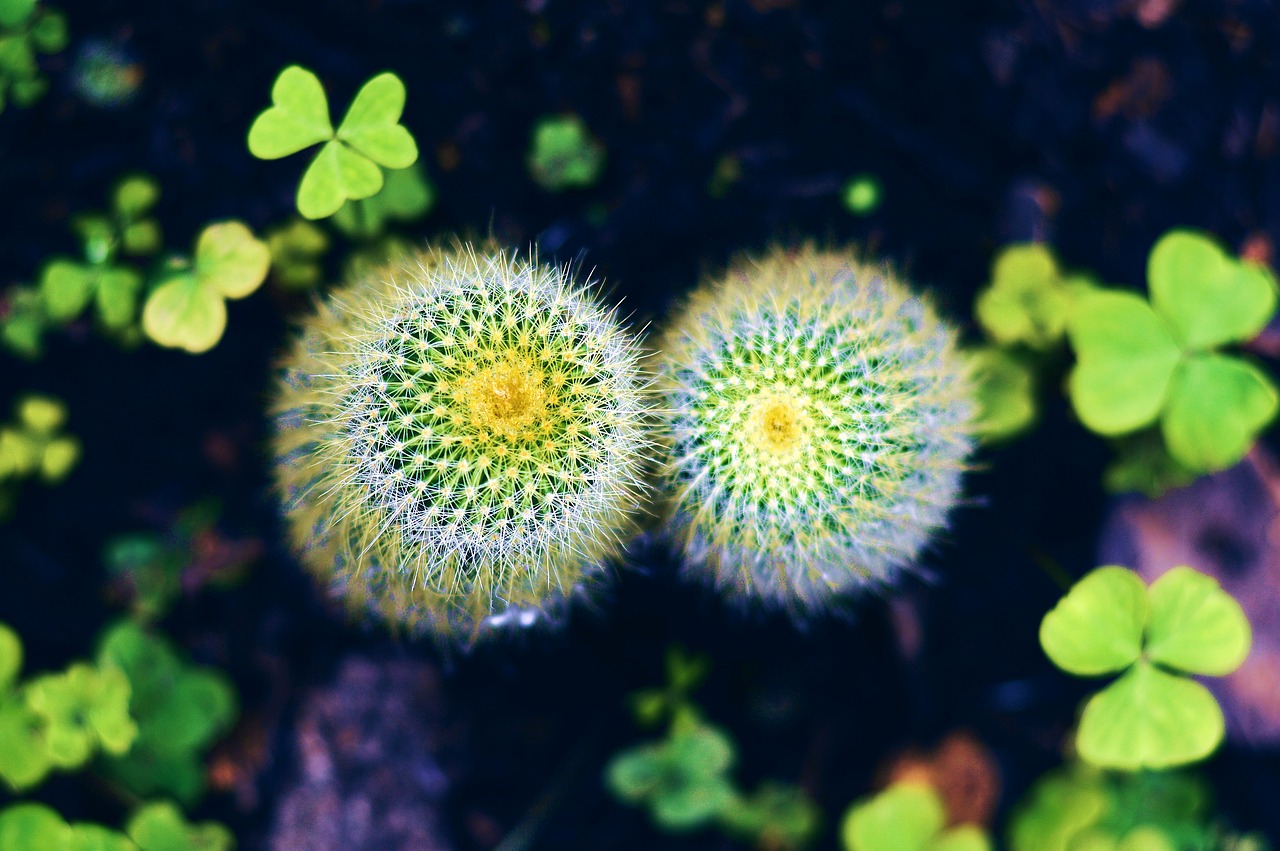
[
  {"x": 907, "y": 817},
  {"x": 369, "y": 136},
  {"x": 1153, "y": 715},
  {"x": 1139, "y": 361},
  {"x": 83, "y": 709}
]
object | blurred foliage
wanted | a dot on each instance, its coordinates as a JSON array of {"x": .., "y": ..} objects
[
  {"x": 907, "y": 817},
  {"x": 564, "y": 155},
  {"x": 33, "y": 446},
  {"x": 26, "y": 29}
]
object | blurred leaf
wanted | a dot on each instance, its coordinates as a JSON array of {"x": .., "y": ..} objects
[
  {"x": 161, "y": 827},
  {"x": 1097, "y": 627},
  {"x": 29, "y": 827},
  {"x": 10, "y": 657},
  {"x": 83, "y": 709},
  {"x": 15, "y": 12},
  {"x": 404, "y": 196},
  {"x": 1149, "y": 719},
  {"x": 1195, "y": 626},
  {"x": 117, "y": 297},
  {"x": 24, "y": 760},
  {"x": 1005, "y": 394},
  {"x": 776, "y": 817},
  {"x": 904, "y": 817},
  {"x": 66, "y": 288},
  {"x": 296, "y": 249},
  {"x": 1143, "y": 464},
  {"x": 563, "y": 154},
  {"x": 135, "y": 195},
  {"x": 1026, "y": 301},
  {"x": 1208, "y": 297},
  {"x": 1217, "y": 406},
  {"x": 230, "y": 261},
  {"x": 182, "y": 314}
]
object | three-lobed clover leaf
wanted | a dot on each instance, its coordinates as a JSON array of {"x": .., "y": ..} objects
[
  {"x": 346, "y": 167},
  {"x": 83, "y": 709},
  {"x": 564, "y": 154},
  {"x": 1152, "y": 716},
  {"x": 1029, "y": 298},
  {"x": 907, "y": 817},
  {"x": 1139, "y": 361},
  {"x": 67, "y": 288},
  {"x": 188, "y": 311},
  {"x": 682, "y": 778},
  {"x": 180, "y": 709},
  {"x": 34, "y": 445}
]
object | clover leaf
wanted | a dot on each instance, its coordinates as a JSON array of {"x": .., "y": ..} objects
[
  {"x": 67, "y": 287},
  {"x": 564, "y": 154},
  {"x": 188, "y": 311},
  {"x": 24, "y": 759},
  {"x": 296, "y": 249},
  {"x": 23, "y": 321},
  {"x": 1029, "y": 298},
  {"x": 27, "y": 826},
  {"x": 1005, "y": 394},
  {"x": 10, "y": 657},
  {"x": 33, "y": 446},
  {"x": 907, "y": 817},
  {"x": 1139, "y": 362},
  {"x": 83, "y": 709},
  {"x": 180, "y": 709},
  {"x": 161, "y": 826},
  {"x": 681, "y": 778},
  {"x": 1143, "y": 464},
  {"x": 776, "y": 816},
  {"x": 346, "y": 167},
  {"x": 1152, "y": 716}
]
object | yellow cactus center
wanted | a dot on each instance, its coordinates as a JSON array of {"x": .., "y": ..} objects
[
  {"x": 778, "y": 425},
  {"x": 506, "y": 397}
]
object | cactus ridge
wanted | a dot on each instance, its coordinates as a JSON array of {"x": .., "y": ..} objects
[
  {"x": 818, "y": 427},
  {"x": 463, "y": 440}
]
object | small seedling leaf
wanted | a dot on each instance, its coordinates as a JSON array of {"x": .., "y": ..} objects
[
  {"x": 1125, "y": 360},
  {"x": 371, "y": 126},
  {"x": 1151, "y": 719},
  {"x": 1217, "y": 406},
  {"x": 1097, "y": 627},
  {"x": 182, "y": 314},
  {"x": 66, "y": 288},
  {"x": 135, "y": 195},
  {"x": 60, "y": 455},
  {"x": 230, "y": 261},
  {"x": 904, "y": 817},
  {"x": 117, "y": 297},
  {"x": 1195, "y": 626},
  {"x": 564, "y": 154},
  {"x": 297, "y": 119},
  {"x": 160, "y": 826},
  {"x": 1207, "y": 297},
  {"x": 42, "y": 414}
]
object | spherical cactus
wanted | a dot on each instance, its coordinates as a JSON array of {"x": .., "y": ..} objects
[
  {"x": 461, "y": 441},
  {"x": 818, "y": 425}
]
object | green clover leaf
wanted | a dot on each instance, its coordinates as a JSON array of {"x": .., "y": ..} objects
[
  {"x": 347, "y": 166},
  {"x": 66, "y": 287},
  {"x": 24, "y": 760},
  {"x": 1208, "y": 297},
  {"x": 188, "y": 311},
  {"x": 1149, "y": 718},
  {"x": 1217, "y": 405},
  {"x": 1097, "y": 628},
  {"x": 1125, "y": 362},
  {"x": 404, "y": 196},
  {"x": 1138, "y": 362},
  {"x": 160, "y": 826},
  {"x": 297, "y": 119},
  {"x": 1195, "y": 626},
  {"x": 14, "y": 12},
  {"x": 1153, "y": 716},
  {"x": 179, "y": 709},
  {"x": 564, "y": 154},
  {"x": 907, "y": 817},
  {"x": 83, "y": 709},
  {"x": 1006, "y": 394},
  {"x": 775, "y": 816},
  {"x": 1143, "y": 464},
  {"x": 296, "y": 249},
  {"x": 1026, "y": 302},
  {"x": 681, "y": 778}
]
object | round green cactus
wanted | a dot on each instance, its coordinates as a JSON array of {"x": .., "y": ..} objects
[
  {"x": 462, "y": 441},
  {"x": 818, "y": 422}
]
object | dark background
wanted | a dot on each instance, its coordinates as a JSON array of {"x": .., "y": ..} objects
[{"x": 1093, "y": 124}]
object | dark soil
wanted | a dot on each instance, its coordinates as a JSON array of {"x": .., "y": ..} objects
[{"x": 1093, "y": 124}]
